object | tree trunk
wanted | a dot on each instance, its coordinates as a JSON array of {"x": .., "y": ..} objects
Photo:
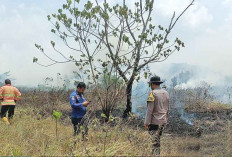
[
  {"x": 56, "y": 130},
  {"x": 128, "y": 96},
  {"x": 107, "y": 113}
]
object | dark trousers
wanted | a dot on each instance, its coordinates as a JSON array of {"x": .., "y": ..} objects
[
  {"x": 80, "y": 125},
  {"x": 7, "y": 108},
  {"x": 156, "y": 132}
]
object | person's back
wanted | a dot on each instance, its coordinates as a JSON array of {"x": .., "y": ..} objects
[
  {"x": 161, "y": 107},
  {"x": 9, "y": 96}
]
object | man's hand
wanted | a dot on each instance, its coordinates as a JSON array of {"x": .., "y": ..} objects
[
  {"x": 146, "y": 126},
  {"x": 86, "y": 103}
]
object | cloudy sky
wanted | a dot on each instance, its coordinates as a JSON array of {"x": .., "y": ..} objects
[{"x": 206, "y": 30}]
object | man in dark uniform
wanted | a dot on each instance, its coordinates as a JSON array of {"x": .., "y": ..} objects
[
  {"x": 157, "y": 112},
  {"x": 79, "y": 104}
]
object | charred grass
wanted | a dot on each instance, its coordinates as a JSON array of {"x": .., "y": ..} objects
[
  {"x": 28, "y": 135},
  {"x": 32, "y": 133}
]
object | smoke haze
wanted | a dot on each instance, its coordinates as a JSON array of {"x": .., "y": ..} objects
[{"x": 206, "y": 30}]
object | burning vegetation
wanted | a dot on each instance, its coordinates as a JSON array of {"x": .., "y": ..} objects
[
  {"x": 114, "y": 46},
  {"x": 194, "y": 128}
]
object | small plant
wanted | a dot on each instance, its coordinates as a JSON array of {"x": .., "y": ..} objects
[
  {"x": 16, "y": 152},
  {"x": 56, "y": 116},
  {"x": 106, "y": 129}
]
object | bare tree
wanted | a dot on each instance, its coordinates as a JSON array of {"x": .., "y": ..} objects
[{"x": 118, "y": 36}]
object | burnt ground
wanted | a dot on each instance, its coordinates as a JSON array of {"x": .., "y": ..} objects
[
  {"x": 202, "y": 123},
  {"x": 176, "y": 125}
]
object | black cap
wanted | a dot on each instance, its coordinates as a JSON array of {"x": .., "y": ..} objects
[{"x": 155, "y": 79}]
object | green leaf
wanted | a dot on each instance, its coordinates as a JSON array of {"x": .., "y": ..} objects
[
  {"x": 105, "y": 16},
  {"x": 49, "y": 17},
  {"x": 57, "y": 25},
  {"x": 56, "y": 115},
  {"x": 69, "y": 2},
  {"x": 53, "y": 30},
  {"x": 111, "y": 118},
  {"x": 145, "y": 75},
  {"x": 35, "y": 59},
  {"x": 64, "y": 6},
  {"x": 88, "y": 5},
  {"x": 60, "y": 10},
  {"x": 104, "y": 64},
  {"x": 53, "y": 43},
  {"x": 108, "y": 134},
  {"x": 125, "y": 39},
  {"x": 160, "y": 27},
  {"x": 37, "y": 46},
  {"x": 137, "y": 4},
  {"x": 83, "y": 55},
  {"x": 103, "y": 115}
]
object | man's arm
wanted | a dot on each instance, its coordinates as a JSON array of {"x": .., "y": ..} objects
[
  {"x": 73, "y": 103},
  {"x": 17, "y": 94},
  {"x": 1, "y": 93},
  {"x": 168, "y": 99},
  {"x": 72, "y": 100},
  {"x": 150, "y": 108}
]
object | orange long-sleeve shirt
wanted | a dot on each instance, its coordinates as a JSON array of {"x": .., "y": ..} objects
[{"x": 9, "y": 95}]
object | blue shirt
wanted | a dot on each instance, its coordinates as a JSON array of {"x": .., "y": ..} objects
[{"x": 76, "y": 101}]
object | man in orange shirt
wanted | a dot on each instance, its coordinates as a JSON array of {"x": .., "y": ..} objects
[{"x": 9, "y": 96}]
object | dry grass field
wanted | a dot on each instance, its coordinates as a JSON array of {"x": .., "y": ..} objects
[{"x": 34, "y": 135}]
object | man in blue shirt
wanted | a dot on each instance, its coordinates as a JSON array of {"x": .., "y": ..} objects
[{"x": 78, "y": 104}]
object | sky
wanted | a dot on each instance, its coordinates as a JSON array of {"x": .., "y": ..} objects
[{"x": 206, "y": 29}]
